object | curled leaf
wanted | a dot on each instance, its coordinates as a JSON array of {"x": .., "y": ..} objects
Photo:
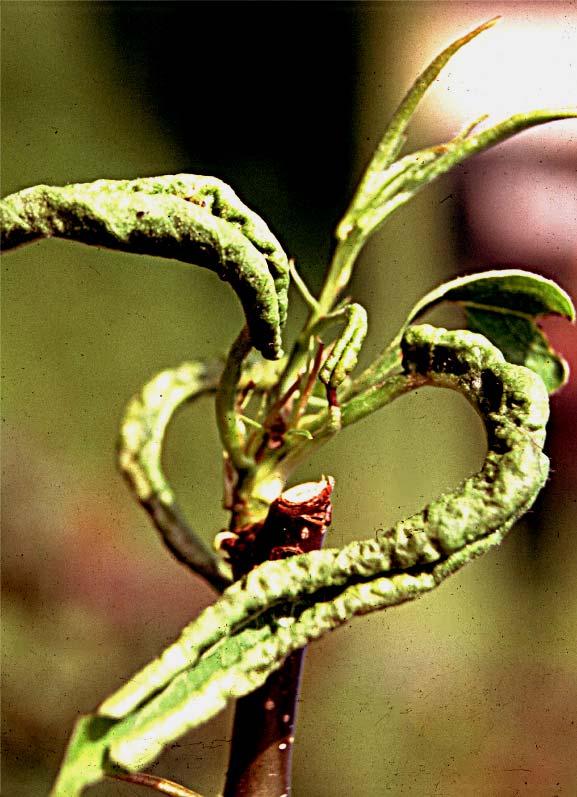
[
  {"x": 280, "y": 606},
  {"x": 522, "y": 341},
  {"x": 230, "y": 424},
  {"x": 513, "y": 403},
  {"x": 191, "y": 218},
  {"x": 140, "y": 444},
  {"x": 345, "y": 352},
  {"x": 503, "y": 305}
]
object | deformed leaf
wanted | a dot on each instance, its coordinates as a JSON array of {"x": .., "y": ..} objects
[
  {"x": 523, "y": 342},
  {"x": 230, "y": 426},
  {"x": 88, "y": 756},
  {"x": 146, "y": 419},
  {"x": 345, "y": 352},
  {"x": 233, "y": 669},
  {"x": 504, "y": 305},
  {"x": 140, "y": 445},
  {"x": 186, "y": 217},
  {"x": 280, "y": 606}
]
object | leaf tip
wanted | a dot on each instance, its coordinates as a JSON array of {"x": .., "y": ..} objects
[{"x": 490, "y": 23}]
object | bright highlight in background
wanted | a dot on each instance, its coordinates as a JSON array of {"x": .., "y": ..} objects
[
  {"x": 527, "y": 61},
  {"x": 520, "y": 199}
]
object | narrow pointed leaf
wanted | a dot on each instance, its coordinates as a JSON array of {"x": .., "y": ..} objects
[
  {"x": 398, "y": 184},
  {"x": 86, "y": 761},
  {"x": 394, "y": 136},
  {"x": 388, "y": 184}
]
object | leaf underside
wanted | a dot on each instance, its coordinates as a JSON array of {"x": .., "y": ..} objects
[
  {"x": 523, "y": 342},
  {"x": 504, "y": 306}
]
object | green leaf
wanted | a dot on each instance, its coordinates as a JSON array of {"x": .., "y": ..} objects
[
  {"x": 402, "y": 180},
  {"x": 504, "y": 306},
  {"x": 280, "y": 606},
  {"x": 230, "y": 426},
  {"x": 187, "y": 217},
  {"x": 140, "y": 447},
  {"x": 389, "y": 183},
  {"x": 504, "y": 289},
  {"x": 522, "y": 342},
  {"x": 343, "y": 357},
  {"x": 86, "y": 758},
  {"x": 394, "y": 136},
  {"x": 232, "y": 669},
  {"x": 97, "y": 740}
]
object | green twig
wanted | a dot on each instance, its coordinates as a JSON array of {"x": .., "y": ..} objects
[{"x": 228, "y": 418}]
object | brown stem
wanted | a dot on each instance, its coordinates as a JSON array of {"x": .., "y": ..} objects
[
  {"x": 262, "y": 738},
  {"x": 263, "y": 731}
]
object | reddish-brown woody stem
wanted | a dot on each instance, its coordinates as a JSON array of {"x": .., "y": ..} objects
[{"x": 263, "y": 733}]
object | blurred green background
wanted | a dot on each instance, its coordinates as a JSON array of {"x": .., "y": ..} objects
[{"x": 472, "y": 690}]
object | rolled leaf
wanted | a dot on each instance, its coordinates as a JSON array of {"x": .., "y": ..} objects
[
  {"x": 195, "y": 219},
  {"x": 280, "y": 606},
  {"x": 140, "y": 445},
  {"x": 345, "y": 351},
  {"x": 505, "y": 306}
]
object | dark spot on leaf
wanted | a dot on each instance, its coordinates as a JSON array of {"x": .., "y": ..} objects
[
  {"x": 491, "y": 391},
  {"x": 446, "y": 360},
  {"x": 416, "y": 358},
  {"x": 496, "y": 442}
]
